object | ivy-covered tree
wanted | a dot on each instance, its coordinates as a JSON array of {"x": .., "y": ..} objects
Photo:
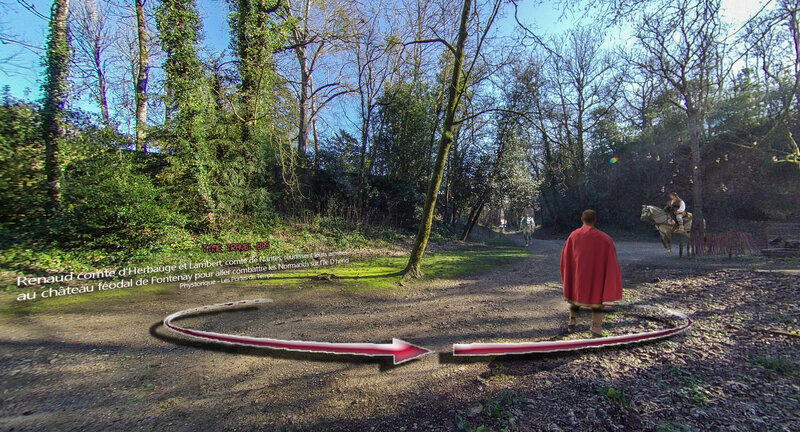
[
  {"x": 55, "y": 90},
  {"x": 142, "y": 75},
  {"x": 179, "y": 26},
  {"x": 255, "y": 36}
]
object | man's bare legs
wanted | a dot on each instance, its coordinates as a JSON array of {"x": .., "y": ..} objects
[
  {"x": 597, "y": 322},
  {"x": 573, "y": 317}
]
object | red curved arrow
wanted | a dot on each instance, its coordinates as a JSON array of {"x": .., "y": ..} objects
[
  {"x": 400, "y": 350},
  {"x": 485, "y": 349}
]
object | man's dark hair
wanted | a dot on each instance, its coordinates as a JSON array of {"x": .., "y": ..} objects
[
  {"x": 675, "y": 194},
  {"x": 589, "y": 216}
]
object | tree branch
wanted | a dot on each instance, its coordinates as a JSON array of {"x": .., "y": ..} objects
[{"x": 433, "y": 40}]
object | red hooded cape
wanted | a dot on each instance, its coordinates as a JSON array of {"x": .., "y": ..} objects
[{"x": 590, "y": 269}]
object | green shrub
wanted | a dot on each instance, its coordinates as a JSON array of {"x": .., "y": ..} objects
[
  {"x": 22, "y": 189},
  {"x": 110, "y": 204}
]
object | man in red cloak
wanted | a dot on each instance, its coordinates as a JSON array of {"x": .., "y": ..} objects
[{"x": 590, "y": 272}]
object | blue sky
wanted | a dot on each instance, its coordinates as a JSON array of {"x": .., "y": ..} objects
[{"x": 24, "y": 70}]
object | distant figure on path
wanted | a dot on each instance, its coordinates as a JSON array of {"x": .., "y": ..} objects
[
  {"x": 590, "y": 272},
  {"x": 527, "y": 224},
  {"x": 528, "y": 210}
]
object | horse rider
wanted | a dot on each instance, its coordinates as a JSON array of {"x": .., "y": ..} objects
[
  {"x": 528, "y": 211},
  {"x": 677, "y": 208},
  {"x": 527, "y": 226}
]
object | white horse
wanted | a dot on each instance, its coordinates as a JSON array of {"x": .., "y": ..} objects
[
  {"x": 528, "y": 226},
  {"x": 666, "y": 225}
]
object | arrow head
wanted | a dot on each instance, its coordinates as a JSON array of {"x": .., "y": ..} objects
[{"x": 403, "y": 351}]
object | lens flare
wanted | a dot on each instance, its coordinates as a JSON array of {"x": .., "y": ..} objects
[{"x": 613, "y": 160}]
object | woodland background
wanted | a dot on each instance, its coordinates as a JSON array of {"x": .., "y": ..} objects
[{"x": 189, "y": 146}]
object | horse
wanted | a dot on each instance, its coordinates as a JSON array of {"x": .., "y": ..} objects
[
  {"x": 528, "y": 226},
  {"x": 666, "y": 225}
]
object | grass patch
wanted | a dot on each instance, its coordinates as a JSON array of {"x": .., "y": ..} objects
[
  {"x": 503, "y": 240},
  {"x": 464, "y": 426},
  {"x": 501, "y": 409},
  {"x": 777, "y": 365},
  {"x": 695, "y": 393},
  {"x": 693, "y": 389},
  {"x": 498, "y": 372},
  {"x": 171, "y": 403},
  {"x": 616, "y": 395},
  {"x": 382, "y": 273},
  {"x": 379, "y": 273}
]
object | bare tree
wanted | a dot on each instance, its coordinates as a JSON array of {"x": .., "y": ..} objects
[
  {"x": 319, "y": 28},
  {"x": 8, "y": 64},
  {"x": 581, "y": 76},
  {"x": 92, "y": 37},
  {"x": 681, "y": 45},
  {"x": 133, "y": 50},
  {"x": 774, "y": 42},
  {"x": 124, "y": 57},
  {"x": 376, "y": 56},
  {"x": 639, "y": 92}
]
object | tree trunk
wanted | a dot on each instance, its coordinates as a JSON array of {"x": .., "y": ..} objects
[
  {"x": 247, "y": 88},
  {"x": 447, "y": 197},
  {"x": 55, "y": 97},
  {"x": 362, "y": 169},
  {"x": 472, "y": 220},
  {"x": 580, "y": 162},
  {"x": 305, "y": 83},
  {"x": 102, "y": 91},
  {"x": 303, "y": 124},
  {"x": 103, "y": 99},
  {"x": 141, "y": 79},
  {"x": 316, "y": 142},
  {"x": 695, "y": 136},
  {"x": 413, "y": 269}
]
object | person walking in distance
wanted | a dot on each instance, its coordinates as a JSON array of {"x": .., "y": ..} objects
[{"x": 590, "y": 272}]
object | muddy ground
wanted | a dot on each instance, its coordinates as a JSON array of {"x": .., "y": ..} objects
[{"x": 111, "y": 365}]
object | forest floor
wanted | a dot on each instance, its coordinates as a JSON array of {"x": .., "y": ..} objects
[{"x": 111, "y": 365}]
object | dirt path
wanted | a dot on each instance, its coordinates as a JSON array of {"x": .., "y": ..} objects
[{"x": 115, "y": 367}]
